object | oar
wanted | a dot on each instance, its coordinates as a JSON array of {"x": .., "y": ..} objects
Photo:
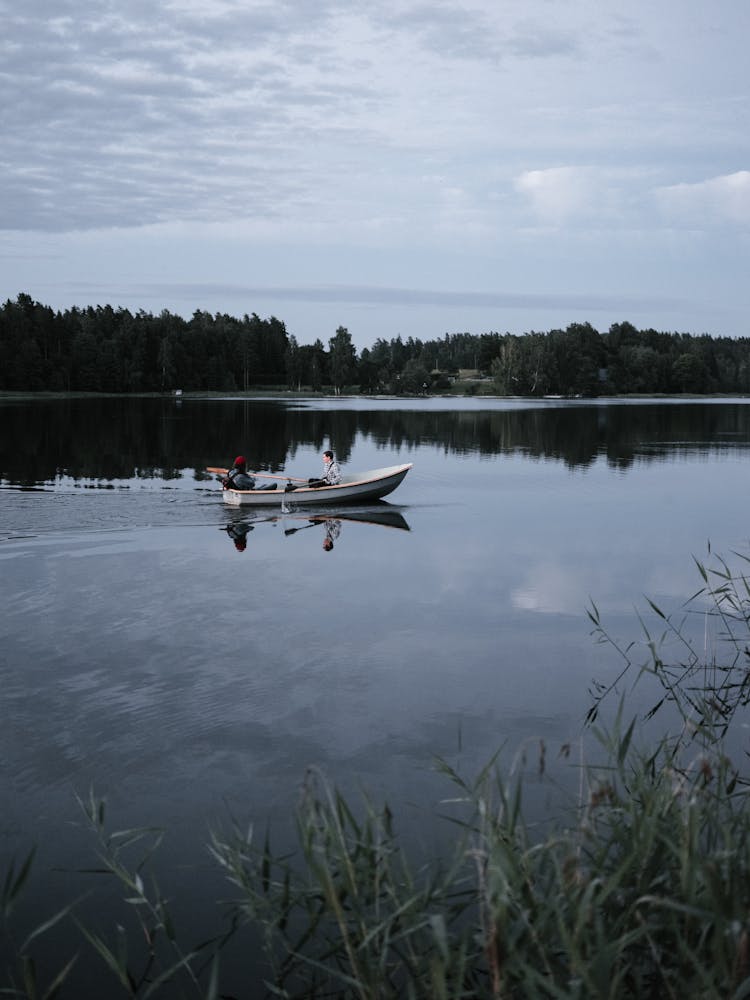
[
  {"x": 270, "y": 475},
  {"x": 312, "y": 524},
  {"x": 267, "y": 475}
]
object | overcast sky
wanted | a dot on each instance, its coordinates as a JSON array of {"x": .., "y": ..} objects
[{"x": 394, "y": 167}]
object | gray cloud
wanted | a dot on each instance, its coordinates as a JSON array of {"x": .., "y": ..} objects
[
  {"x": 190, "y": 111},
  {"x": 408, "y": 297},
  {"x": 108, "y": 121},
  {"x": 535, "y": 40},
  {"x": 447, "y": 29},
  {"x": 458, "y": 32}
]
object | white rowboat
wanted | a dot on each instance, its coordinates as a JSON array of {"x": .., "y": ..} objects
[{"x": 353, "y": 488}]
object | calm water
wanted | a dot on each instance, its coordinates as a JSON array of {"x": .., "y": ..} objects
[{"x": 144, "y": 654}]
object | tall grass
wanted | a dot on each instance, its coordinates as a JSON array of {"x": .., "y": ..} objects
[{"x": 641, "y": 890}]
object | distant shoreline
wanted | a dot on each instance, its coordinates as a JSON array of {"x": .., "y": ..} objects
[{"x": 283, "y": 394}]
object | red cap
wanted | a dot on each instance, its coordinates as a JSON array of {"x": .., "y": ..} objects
[{"x": 240, "y": 460}]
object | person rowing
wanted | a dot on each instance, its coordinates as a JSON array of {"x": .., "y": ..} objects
[{"x": 238, "y": 477}]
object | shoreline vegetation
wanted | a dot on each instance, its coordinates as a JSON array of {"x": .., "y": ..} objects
[
  {"x": 102, "y": 349},
  {"x": 284, "y": 393},
  {"x": 642, "y": 889}
]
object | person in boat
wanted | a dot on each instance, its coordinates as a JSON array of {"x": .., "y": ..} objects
[
  {"x": 331, "y": 472},
  {"x": 238, "y": 478}
]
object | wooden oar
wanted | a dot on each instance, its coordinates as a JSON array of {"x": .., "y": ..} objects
[
  {"x": 270, "y": 475},
  {"x": 265, "y": 475}
]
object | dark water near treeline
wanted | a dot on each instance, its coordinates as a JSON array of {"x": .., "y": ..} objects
[{"x": 185, "y": 678}]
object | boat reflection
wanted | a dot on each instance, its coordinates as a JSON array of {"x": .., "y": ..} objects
[{"x": 330, "y": 523}]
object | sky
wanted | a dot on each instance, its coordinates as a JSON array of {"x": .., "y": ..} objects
[{"x": 396, "y": 167}]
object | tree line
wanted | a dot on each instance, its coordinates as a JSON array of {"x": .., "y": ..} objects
[{"x": 102, "y": 349}]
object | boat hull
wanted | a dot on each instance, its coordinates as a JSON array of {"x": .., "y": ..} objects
[{"x": 359, "y": 488}]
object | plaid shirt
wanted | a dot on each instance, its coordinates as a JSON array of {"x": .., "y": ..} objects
[{"x": 332, "y": 473}]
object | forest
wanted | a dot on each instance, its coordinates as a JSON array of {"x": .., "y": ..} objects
[{"x": 103, "y": 349}]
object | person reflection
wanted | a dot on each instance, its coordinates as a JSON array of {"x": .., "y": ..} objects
[
  {"x": 333, "y": 530},
  {"x": 332, "y": 526},
  {"x": 237, "y": 531}
]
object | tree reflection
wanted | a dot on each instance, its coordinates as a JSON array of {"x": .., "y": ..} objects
[{"x": 109, "y": 438}]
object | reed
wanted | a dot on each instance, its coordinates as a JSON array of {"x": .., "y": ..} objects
[{"x": 641, "y": 889}]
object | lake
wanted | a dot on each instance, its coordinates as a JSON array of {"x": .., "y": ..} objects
[{"x": 189, "y": 661}]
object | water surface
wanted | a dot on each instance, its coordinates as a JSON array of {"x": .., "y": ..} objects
[{"x": 187, "y": 660}]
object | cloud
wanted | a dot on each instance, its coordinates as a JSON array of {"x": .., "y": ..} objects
[
  {"x": 193, "y": 111},
  {"x": 582, "y": 195},
  {"x": 534, "y": 39},
  {"x": 709, "y": 203},
  {"x": 595, "y": 197},
  {"x": 185, "y": 112},
  {"x": 408, "y": 297},
  {"x": 444, "y": 29},
  {"x": 557, "y": 193}
]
